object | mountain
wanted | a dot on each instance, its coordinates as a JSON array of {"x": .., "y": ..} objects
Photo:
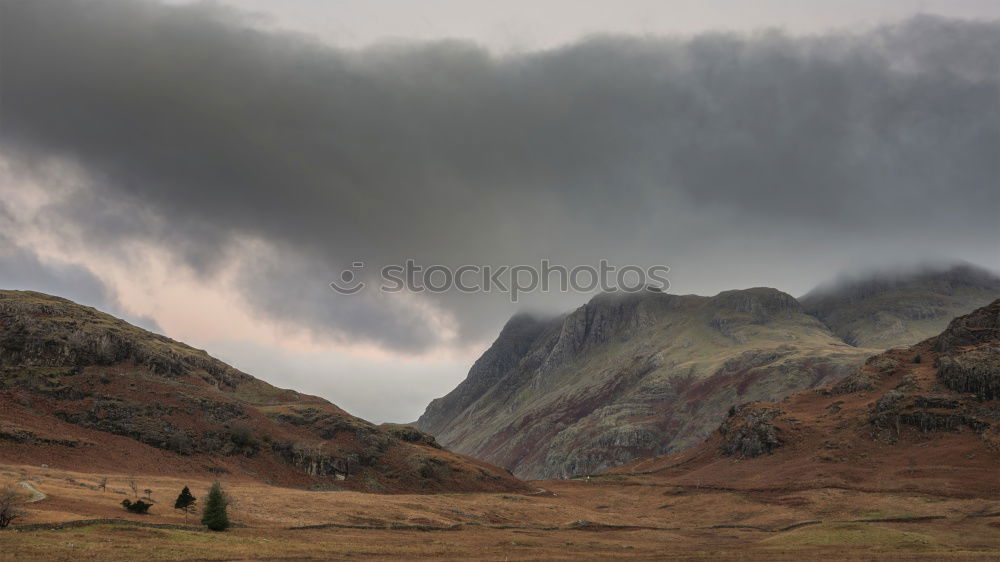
[
  {"x": 899, "y": 309},
  {"x": 920, "y": 419},
  {"x": 644, "y": 374},
  {"x": 82, "y": 390},
  {"x": 629, "y": 376}
]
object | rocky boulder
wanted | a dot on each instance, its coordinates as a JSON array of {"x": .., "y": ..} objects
[{"x": 748, "y": 431}]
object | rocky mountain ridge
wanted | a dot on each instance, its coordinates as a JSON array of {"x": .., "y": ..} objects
[
  {"x": 627, "y": 376},
  {"x": 630, "y": 375}
]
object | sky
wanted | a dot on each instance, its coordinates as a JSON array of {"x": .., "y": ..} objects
[{"x": 205, "y": 170}]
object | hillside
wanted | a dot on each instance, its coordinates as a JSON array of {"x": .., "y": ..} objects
[
  {"x": 898, "y": 460},
  {"x": 629, "y": 376},
  {"x": 900, "y": 309},
  {"x": 924, "y": 419},
  {"x": 82, "y": 390}
]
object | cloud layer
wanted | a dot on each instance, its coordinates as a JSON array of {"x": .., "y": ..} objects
[{"x": 285, "y": 160}]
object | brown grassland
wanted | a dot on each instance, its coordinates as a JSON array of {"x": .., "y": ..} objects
[{"x": 615, "y": 516}]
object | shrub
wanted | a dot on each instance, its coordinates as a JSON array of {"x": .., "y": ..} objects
[
  {"x": 243, "y": 437},
  {"x": 9, "y": 501},
  {"x": 215, "y": 517},
  {"x": 917, "y": 358},
  {"x": 138, "y": 506}
]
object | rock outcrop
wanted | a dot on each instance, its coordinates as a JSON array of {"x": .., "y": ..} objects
[
  {"x": 902, "y": 423},
  {"x": 748, "y": 431},
  {"x": 970, "y": 354}
]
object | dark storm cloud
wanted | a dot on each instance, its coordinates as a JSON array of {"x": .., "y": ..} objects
[{"x": 611, "y": 147}]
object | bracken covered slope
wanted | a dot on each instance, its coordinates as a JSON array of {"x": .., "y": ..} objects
[
  {"x": 921, "y": 419},
  {"x": 628, "y": 376},
  {"x": 899, "y": 310},
  {"x": 82, "y": 390}
]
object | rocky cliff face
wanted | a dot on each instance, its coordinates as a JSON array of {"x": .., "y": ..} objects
[
  {"x": 963, "y": 386},
  {"x": 83, "y": 390},
  {"x": 899, "y": 310},
  {"x": 511, "y": 347},
  {"x": 631, "y": 375},
  {"x": 969, "y": 349},
  {"x": 919, "y": 419}
]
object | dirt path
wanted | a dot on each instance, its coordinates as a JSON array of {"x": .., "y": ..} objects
[{"x": 36, "y": 496}]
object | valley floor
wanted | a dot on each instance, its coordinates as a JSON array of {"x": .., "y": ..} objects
[{"x": 610, "y": 517}]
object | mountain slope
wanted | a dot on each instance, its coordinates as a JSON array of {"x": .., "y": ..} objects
[
  {"x": 897, "y": 310},
  {"x": 633, "y": 375},
  {"x": 82, "y": 390},
  {"x": 926, "y": 418}
]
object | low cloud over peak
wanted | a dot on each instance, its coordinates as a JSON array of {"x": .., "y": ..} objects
[{"x": 735, "y": 159}]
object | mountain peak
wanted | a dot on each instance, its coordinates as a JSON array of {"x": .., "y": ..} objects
[
  {"x": 762, "y": 302},
  {"x": 891, "y": 309},
  {"x": 630, "y": 374}
]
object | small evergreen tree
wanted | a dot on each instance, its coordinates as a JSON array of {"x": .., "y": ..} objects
[
  {"x": 185, "y": 502},
  {"x": 214, "y": 517}
]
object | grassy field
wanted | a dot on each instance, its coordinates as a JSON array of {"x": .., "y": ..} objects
[{"x": 606, "y": 518}]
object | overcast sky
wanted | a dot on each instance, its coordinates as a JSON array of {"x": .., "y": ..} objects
[{"x": 205, "y": 170}]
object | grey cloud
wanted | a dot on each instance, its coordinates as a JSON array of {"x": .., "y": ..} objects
[
  {"x": 20, "y": 269},
  {"x": 650, "y": 150},
  {"x": 867, "y": 282}
]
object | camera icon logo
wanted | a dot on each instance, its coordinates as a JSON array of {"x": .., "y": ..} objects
[{"x": 348, "y": 284}]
